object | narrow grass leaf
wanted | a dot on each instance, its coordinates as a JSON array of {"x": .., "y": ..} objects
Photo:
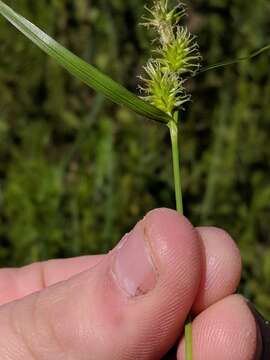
[
  {"x": 81, "y": 69},
  {"x": 235, "y": 61}
]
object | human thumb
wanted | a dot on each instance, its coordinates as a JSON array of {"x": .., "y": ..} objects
[{"x": 131, "y": 305}]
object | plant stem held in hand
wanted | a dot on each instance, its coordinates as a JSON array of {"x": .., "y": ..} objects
[
  {"x": 174, "y": 133},
  {"x": 176, "y": 58}
]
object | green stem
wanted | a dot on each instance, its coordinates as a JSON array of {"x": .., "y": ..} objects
[
  {"x": 174, "y": 132},
  {"x": 188, "y": 338},
  {"x": 176, "y": 168}
]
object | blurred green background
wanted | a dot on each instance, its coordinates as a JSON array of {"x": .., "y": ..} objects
[{"x": 76, "y": 171}]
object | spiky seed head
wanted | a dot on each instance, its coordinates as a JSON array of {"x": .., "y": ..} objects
[
  {"x": 164, "y": 88},
  {"x": 182, "y": 54},
  {"x": 163, "y": 20},
  {"x": 177, "y": 57}
]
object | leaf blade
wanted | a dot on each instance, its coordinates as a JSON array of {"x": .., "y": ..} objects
[
  {"x": 81, "y": 69},
  {"x": 233, "y": 61}
]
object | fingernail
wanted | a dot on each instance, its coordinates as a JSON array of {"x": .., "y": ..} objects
[
  {"x": 264, "y": 328},
  {"x": 133, "y": 267}
]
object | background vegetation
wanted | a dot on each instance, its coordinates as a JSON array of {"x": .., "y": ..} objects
[{"x": 76, "y": 172}]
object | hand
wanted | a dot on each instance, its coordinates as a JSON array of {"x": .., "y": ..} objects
[{"x": 132, "y": 303}]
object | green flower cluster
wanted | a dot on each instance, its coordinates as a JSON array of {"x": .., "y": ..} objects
[{"x": 176, "y": 57}]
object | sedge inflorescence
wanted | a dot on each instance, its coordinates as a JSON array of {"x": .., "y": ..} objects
[{"x": 176, "y": 58}]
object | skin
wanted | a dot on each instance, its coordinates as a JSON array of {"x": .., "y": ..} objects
[{"x": 76, "y": 309}]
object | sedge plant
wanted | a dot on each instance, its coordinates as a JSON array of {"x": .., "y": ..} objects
[
  {"x": 163, "y": 95},
  {"x": 175, "y": 58}
]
